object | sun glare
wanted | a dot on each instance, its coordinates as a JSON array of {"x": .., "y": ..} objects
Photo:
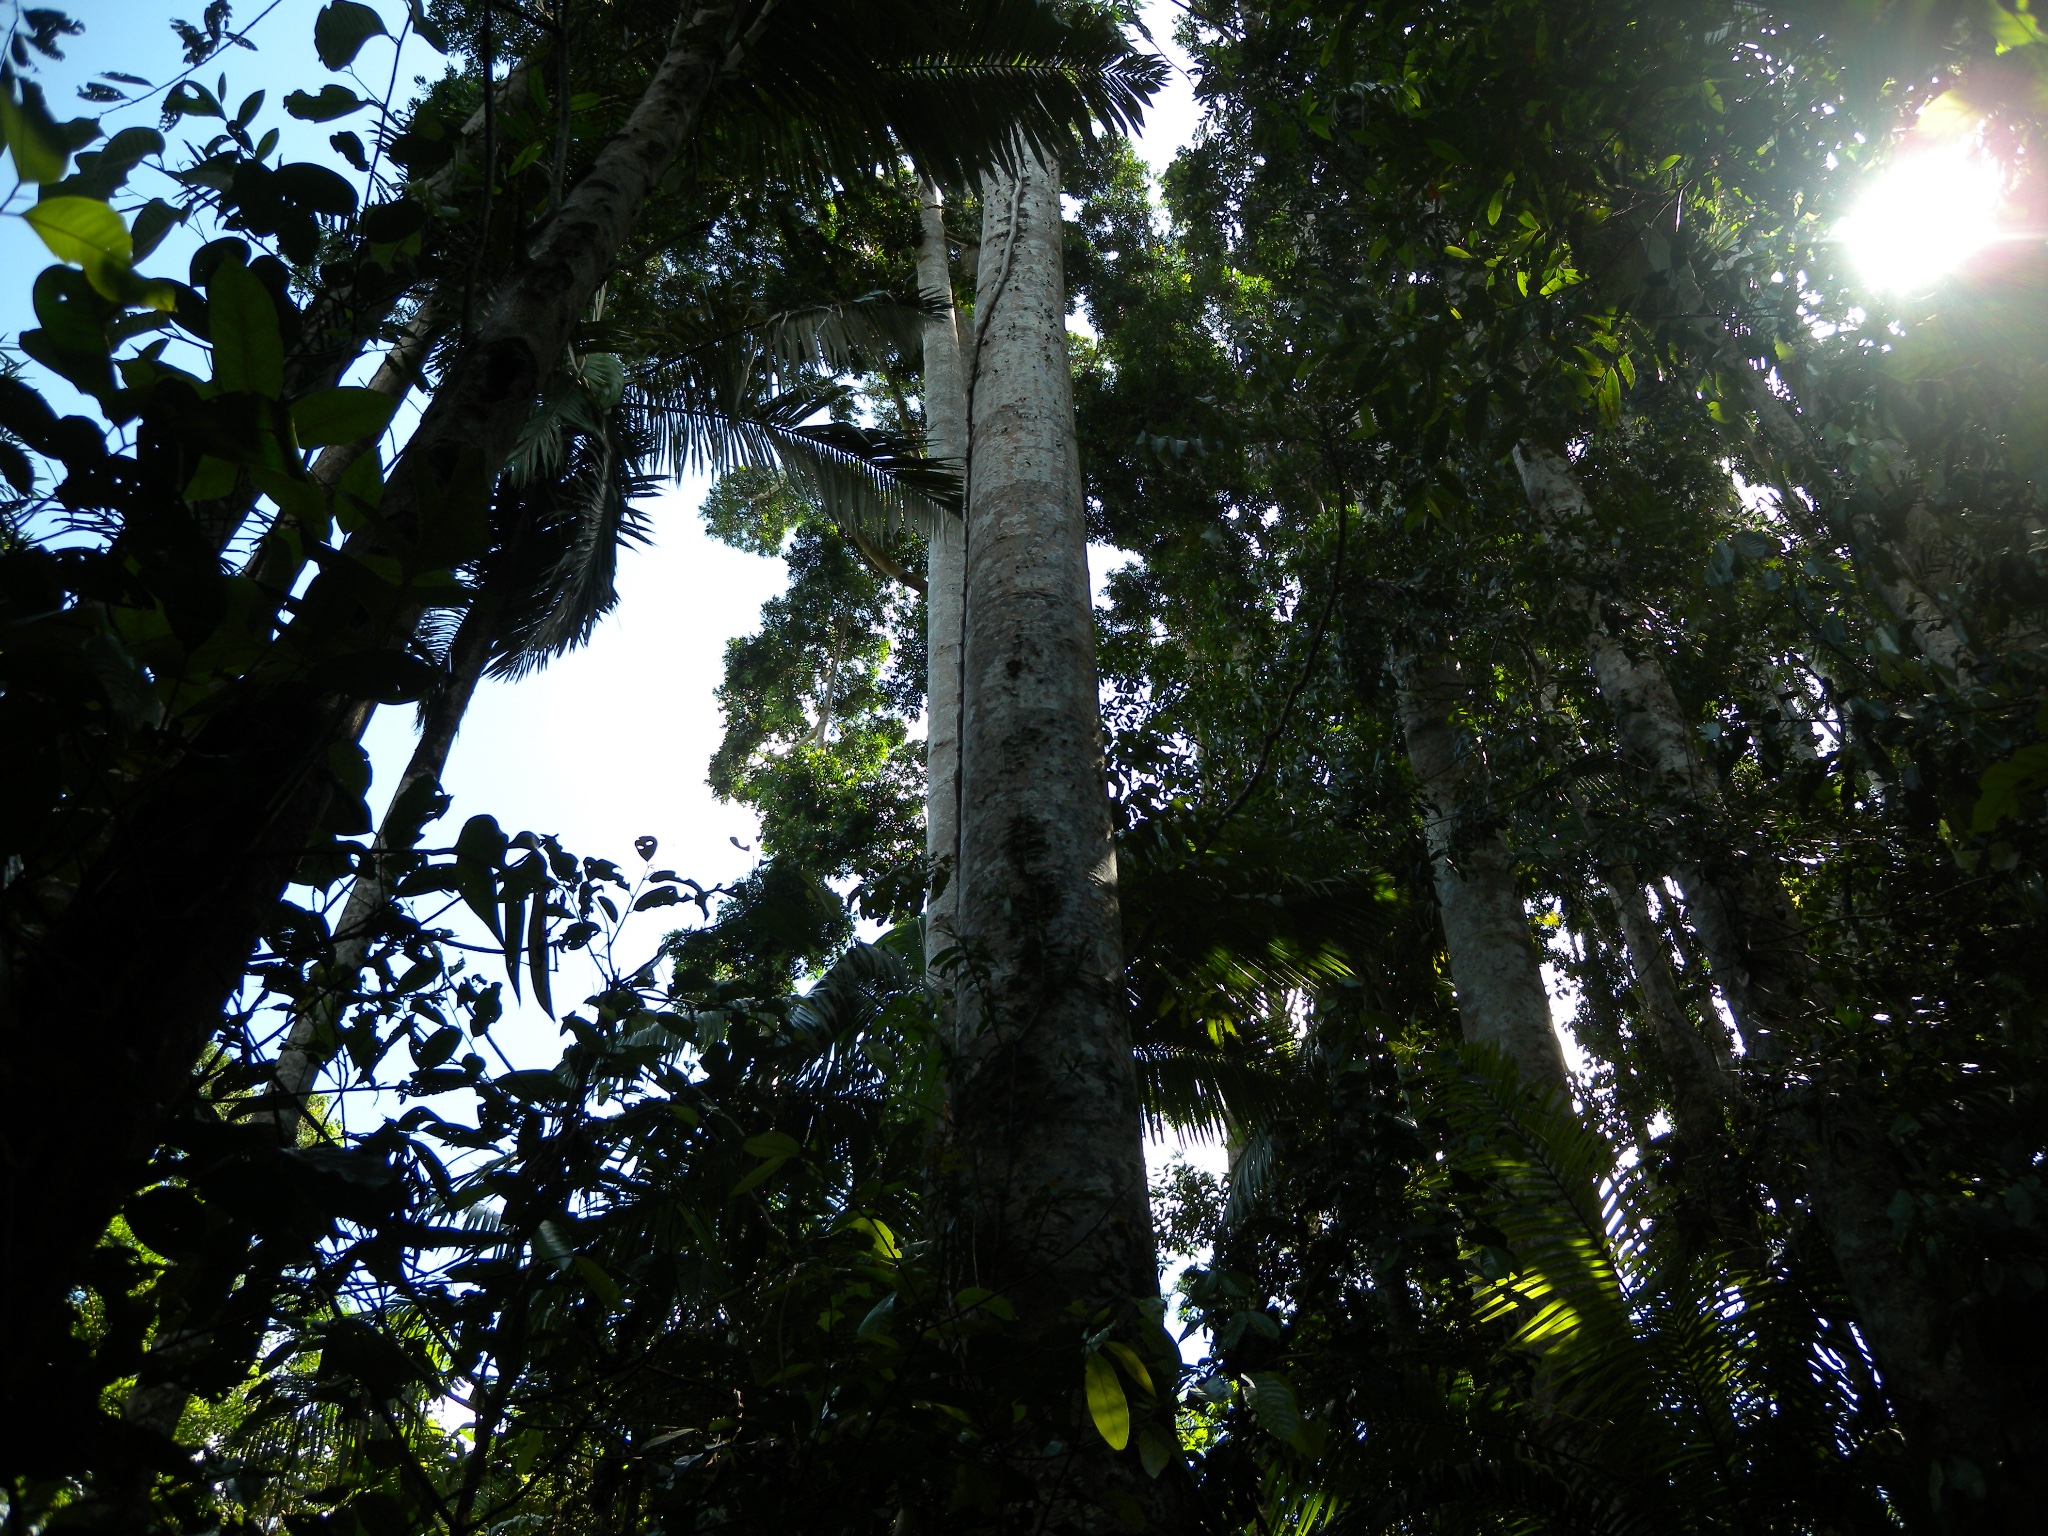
[{"x": 1926, "y": 214}]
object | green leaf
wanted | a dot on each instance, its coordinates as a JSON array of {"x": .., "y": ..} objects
[
  {"x": 89, "y": 234},
  {"x": 879, "y": 1234},
  {"x": 759, "y": 1174},
  {"x": 153, "y": 223},
  {"x": 979, "y": 1298},
  {"x": 248, "y": 353},
  {"x": 15, "y": 465},
  {"x": 2004, "y": 784},
  {"x": 1107, "y": 1405},
  {"x": 1134, "y": 1368},
  {"x": 213, "y": 479},
  {"x": 772, "y": 1144},
  {"x": 345, "y": 415},
  {"x": 341, "y": 29},
  {"x": 423, "y": 25},
  {"x": 1273, "y": 1404},
  {"x": 537, "y": 953},
  {"x": 332, "y": 102},
  {"x": 26, "y": 125},
  {"x": 1157, "y": 1449},
  {"x": 533, "y": 1084},
  {"x": 876, "y": 1323},
  {"x": 437, "y": 1047},
  {"x": 603, "y": 1285}
]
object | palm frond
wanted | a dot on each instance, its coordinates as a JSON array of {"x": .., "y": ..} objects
[{"x": 958, "y": 88}]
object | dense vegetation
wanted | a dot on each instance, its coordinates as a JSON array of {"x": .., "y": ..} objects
[{"x": 1549, "y": 554}]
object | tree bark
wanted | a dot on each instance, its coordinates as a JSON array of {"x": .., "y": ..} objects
[
  {"x": 1045, "y": 1193},
  {"x": 1494, "y": 966},
  {"x": 945, "y": 419},
  {"x": 1814, "y": 1111},
  {"x": 139, "y": 966}
]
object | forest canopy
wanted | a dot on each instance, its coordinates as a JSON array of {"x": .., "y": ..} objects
[{"x": 1557, "y": 795}]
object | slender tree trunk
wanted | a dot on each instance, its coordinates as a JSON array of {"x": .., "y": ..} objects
[
  {"x": 1046, "y": 1197},
  {"x": 1494, "y": 964},
  {"x": 1901, "y": 576},
  {"x": 137, "y": 969},
  {"x": 311, "y": 1042},
  {"x": 282, "y": 553},
  {"x": 1819, "y": 1115},
  {"x": 1699, "y": 1086},
  {"x": 945, "y": 418}
]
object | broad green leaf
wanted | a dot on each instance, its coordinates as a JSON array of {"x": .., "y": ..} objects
[
  {"x": 155, "y": 220},
  {"x": 213, "y": 479},
  {"x": 532, "y": 1083},
  {"x": 344, "y": 415},
  {"x": 876, "y": 1323},
  {"x": 248, "y": 353},
  {"x": 30, "y": 132},
  {"x": 1273, "y": 1404},
  {"x": 878, "y": 1232},
  {"x": 2004, "y": 785},
  {"x": 772, "y": 1144},
  {"x": 91, "y": 235},
  {"x": 341, "y": 29},
  {"x": 423, "y": 26},
  {"x": 1107, "y": 1405},
  {"x": 1157, "y": 1449},
  {"x": 332, "y": 102},
  {"x": 979, "y": 1298}
]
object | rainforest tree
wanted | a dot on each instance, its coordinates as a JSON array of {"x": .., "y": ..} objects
[{"x": 1563, "y": 587}]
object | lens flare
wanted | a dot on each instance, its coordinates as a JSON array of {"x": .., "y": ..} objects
[{"x": 1926, "y": 214}]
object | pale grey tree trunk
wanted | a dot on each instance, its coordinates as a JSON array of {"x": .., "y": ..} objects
[
  {"x": 1045, "y": 1197},
  {"x": 1700, "y": 1087},
  {"x": 1819, "y": 1115},
  {"x": 1494, "y": 964},
  {"x": 945, "y": 418}
]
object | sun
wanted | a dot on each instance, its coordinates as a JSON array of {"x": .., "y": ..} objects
[{"x": 1925, "y": 215}]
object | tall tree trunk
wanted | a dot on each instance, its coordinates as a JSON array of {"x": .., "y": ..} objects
[
  {"x": 1818, "y": 1116},
  {"x": 137, "y": 969},
  {"x": 945, "y": 418},
  {"x": 1494, "y": 965},
  {"x": 1046, "y": 1201}
]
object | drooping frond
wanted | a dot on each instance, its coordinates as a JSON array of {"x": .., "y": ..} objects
[
  {"x": 702, "y": 418},
  {"x": 957, "y": 88}
]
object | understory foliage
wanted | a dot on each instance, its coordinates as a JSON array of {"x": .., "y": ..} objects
[{"x": 679, "y": 1278}]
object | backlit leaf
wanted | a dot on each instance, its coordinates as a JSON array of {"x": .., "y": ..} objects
[
  {"x": 341, "y": 29},
  {"x": 1107, "y": 1405}
]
